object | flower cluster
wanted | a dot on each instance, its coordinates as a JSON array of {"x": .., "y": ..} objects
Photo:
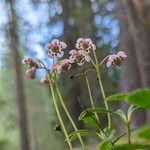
[
  {"x": 33, "y": 66},
  {"x": 116, "y": 59},
  {"x": 79, "y": 56}
]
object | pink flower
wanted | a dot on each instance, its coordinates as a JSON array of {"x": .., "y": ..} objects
[
  {"x": 63, "y": 65},
  {"x": 56, "y": 47},
  {"x": 45, "y": 81},
  {"x": 79, "y": 57},
  {"x": 31, "y": 62},
  {"x": 116, "y": 59},
  {"x": 31, "y": 73},
  {"x": 85, "y": 44}
]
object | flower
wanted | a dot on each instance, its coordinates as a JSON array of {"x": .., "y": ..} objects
[
  {"x": 79, "y": 57},
  {"x": 31, "y": 73},
  {"x": 45, "y": 81},
  {"x": 31, "y": 62},
  {"x": 85, "y": 44},
  {"x": 56, "y": 47},
  {"x": 116, "y": 59},
  {"x": 62, "y": 66}
]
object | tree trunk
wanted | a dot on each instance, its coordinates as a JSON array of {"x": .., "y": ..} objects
[
  {"x": 135, "y": 30},
  {"x": 130, "y": 77},
  {"x": 82, "y": 27},
  {"x": 20, "y": 96}
]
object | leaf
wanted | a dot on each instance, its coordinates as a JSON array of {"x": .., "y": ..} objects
[
  {"x": 144, "y": 132},
  {"x": 74, "y": 135},
  {"x": 117, "y": 97},
  {"x": 91, "y": 120},
  {"x": 131, "y": 109},
  {"x": 140, "y": 98},
  {"x": 130, "y": 147},
  {"x": 121, "y": 114},
  {"x": 88, "y": 116},
  {"x": 94, "y": 110},
  {"x": 105, "y": 145}
]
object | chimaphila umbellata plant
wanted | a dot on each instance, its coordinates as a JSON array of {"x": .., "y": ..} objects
[{"x": 85, "y": 52}]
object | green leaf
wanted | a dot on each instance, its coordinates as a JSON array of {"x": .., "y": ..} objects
[
  {"x": 131, "y": 109},
  {"x": 130, "y": 147},
  {"x": 121, "y": 114},
  {"x": 117, "y": 97},
  {"x": 140, "y": 98},
  {"x": 105, "y": 145},
  {"x": 88, "y": 116},
  {"x": 144, "y": 132},
  {"x": 91, "y": 120},
  {"x": 74, "y": 135},
  {"x": 93, "y": 110}
]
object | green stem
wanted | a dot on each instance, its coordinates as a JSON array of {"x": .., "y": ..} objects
[
  {"x": 68, "y": 114},
  {"x": 90, "y": 95},
  {"x": 128, "y": 132},
  {"x": 102, "y": 89},
  {"x": 59, "y": 116}
]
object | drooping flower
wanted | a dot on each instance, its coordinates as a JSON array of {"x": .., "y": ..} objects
[
  {"x": 79, "y": 57},
  {"x": 31, "y": 62},
  {"x": 85, "y": 44},
  {"x": 56, "y": 47},
  {"x": 62, "y": 66},
  {"x": 31, "y": 73},
  {"x": 45, "y": 81},
  {"x": 116, "y": 59}
]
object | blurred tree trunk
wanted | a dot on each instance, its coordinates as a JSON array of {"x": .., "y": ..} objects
[
  {"x": 130, "y": 77},
  {"x": 134, "y": 36},
  {"x": 20, "y": 96},
  {"x": 82, "y": 26}
]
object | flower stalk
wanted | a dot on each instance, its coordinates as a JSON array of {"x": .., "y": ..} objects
[
  {"x": 90, "y": 96},
  {"x": 68, "y": 114},
  {"x": 102, "y": 88},
  {"x": 59, "y": 116}
]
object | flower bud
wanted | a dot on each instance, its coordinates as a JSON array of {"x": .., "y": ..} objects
[
  {"x": 45, "y": 81},
  {"x": 57, "y": 127},
  {"x": 31, "y": 73}
]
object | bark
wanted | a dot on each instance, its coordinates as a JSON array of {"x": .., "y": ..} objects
[
  {"x": 130, "y": 78},
  {"x": 20, "y": 96}
]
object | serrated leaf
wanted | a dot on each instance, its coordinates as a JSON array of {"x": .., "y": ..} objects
[
  {"x": 130, "y": 147},
  {"x": 144, "y": 132},
  {"x": 140, "y": 98},
  {"x": 74, "y": 135},
  {"x": 117, "y": 97}
]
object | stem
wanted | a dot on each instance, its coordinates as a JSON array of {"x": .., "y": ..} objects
[
  {"x": 128, "y": 132},
  {"x": 90, "y": 95},
  {"x": 59, "y": 116},
  {"x": 68, "y": 114},
  {"x": 102, "y": 89},
  {"x": 103, "y": 61}
]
